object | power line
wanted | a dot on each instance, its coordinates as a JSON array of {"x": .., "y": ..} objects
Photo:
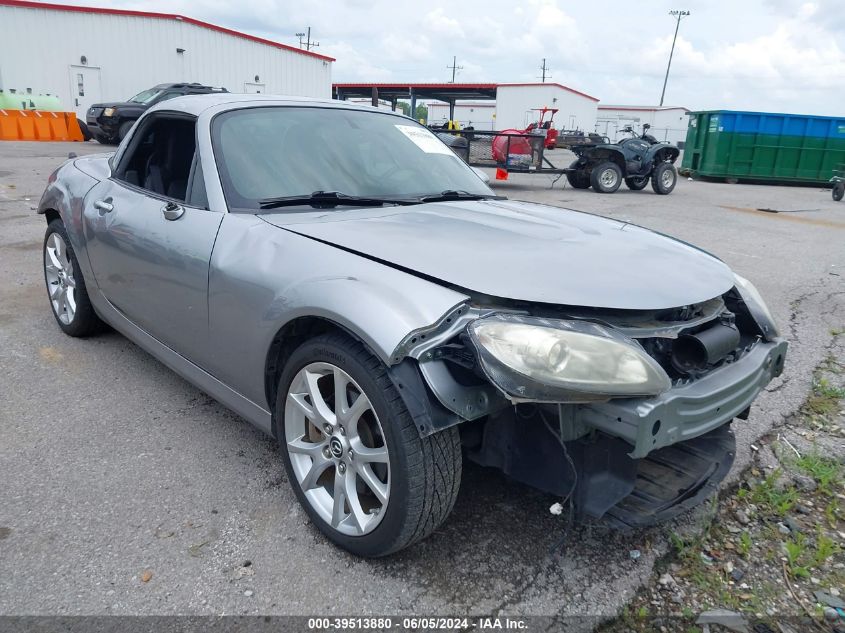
[
  {"x": 308, "y": 43},
  {"x": 546, "y": 71},
  {"x": 454, "y": 67},
  {"x": 679, "y": 15}
]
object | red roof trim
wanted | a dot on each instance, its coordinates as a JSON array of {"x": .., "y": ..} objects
[
  {"x": 551, "y": 83},
  {"x": 643, "y": 108},
  {"x": 412, "y": 85},
  {"x": 28, "y": 4}
]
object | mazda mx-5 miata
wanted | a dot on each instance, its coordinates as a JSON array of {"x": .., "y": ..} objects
[{"x": 338, "y": 277}]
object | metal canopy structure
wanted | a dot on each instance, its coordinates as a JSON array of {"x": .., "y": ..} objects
[{"x": 446, "y": 92}]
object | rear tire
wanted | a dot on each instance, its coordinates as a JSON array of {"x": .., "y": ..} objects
[
  {"x": 664, "y": 178},
  {"x": 606, "y": 177},
  {"x": 66, "y": 289},
  {"x": 637, "y": 184},
  {"x": 419, "y": 480},
  {"x": 838, "y": 191},
  {"x": 578, "y": 179}
]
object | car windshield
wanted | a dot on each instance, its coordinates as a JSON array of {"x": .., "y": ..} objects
[
  {"x": 146, "y": 96},
  {"x": 273, "y": 152}
]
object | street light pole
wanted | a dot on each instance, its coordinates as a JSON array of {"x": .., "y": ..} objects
[{"x": 678, "y": 16}]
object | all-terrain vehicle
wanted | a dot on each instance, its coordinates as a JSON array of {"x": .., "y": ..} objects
[{"x": 635, "y": 160}]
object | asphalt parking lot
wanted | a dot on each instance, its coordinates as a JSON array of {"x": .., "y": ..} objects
[{"x": 113, "y": 466}]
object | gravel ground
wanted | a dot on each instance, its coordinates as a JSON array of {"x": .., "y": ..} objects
[{"x": 127, "y": 491}]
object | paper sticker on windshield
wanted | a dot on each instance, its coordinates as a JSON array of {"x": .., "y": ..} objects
[{"x": 424, "y": 139}]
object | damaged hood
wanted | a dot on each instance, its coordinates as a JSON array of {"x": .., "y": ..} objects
[{"x": 523, "y": 251}]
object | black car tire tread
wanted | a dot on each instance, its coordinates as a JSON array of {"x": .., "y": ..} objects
[
  {"x": 838, "y": 191},
  {"x": 596, "y": 174},
  {"x": 656, "y": 183},
  {"x": 85, "y": 320},
  {"x": 431, "y": 465}
]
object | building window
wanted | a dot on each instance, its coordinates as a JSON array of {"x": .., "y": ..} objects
[{"x": 80, "y": 86}]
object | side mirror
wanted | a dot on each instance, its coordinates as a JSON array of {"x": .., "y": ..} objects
[
  {"x": 646, "y": 126},
  {"x": 481, "y": 174}
]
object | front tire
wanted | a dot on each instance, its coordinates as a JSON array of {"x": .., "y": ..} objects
[
  {"x": 65, "y": 286},
  {"x": 353, "y": 455},
  {"x": 606, "y": 177},
  {"x": 664, "y": 178},
  {"x": 838, "y": 191}
]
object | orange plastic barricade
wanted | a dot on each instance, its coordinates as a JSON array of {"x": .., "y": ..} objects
[{"x": 35, "y": 125}]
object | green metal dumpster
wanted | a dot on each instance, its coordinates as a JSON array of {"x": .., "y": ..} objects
[{"x": 763, "y": 146}]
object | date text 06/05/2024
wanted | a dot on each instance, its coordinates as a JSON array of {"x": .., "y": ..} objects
[{"x": 416, "y": 623}]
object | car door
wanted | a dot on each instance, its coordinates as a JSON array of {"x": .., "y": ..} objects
[{"x": 149, "y": 234}]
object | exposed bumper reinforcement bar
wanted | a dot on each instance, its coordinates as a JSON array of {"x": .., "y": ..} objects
[{"x": 691, "y": 410}]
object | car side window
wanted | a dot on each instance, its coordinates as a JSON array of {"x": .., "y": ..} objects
[{"x": 160, "y": 156}]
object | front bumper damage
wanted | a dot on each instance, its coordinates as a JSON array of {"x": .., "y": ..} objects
[
  {"x": 689, "y": 410},
  {"x": 633, "y": 462}
]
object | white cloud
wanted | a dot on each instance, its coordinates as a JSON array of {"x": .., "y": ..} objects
[{"x": 778, "y": 55}]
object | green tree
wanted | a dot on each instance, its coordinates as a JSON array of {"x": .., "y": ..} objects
[
  {"x": 422, "y": 113},
  {"x": 404, "y": 107}
]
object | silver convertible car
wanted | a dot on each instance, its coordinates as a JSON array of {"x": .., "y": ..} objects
[{"x": 342, "y": 280}]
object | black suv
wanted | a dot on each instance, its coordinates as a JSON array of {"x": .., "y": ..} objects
[{"x": 110, "y": 122}]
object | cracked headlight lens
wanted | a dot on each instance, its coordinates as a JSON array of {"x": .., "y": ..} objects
[
  {"x": 563, "y": 361},
  {"x": 757, "y": 307}
]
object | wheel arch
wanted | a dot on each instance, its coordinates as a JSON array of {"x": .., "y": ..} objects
[
  {"x": 667, "y": 153},
  {"x": 287, "y": 338}
]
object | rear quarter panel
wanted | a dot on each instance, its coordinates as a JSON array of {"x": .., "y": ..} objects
[{"x": 65, "y": 194}]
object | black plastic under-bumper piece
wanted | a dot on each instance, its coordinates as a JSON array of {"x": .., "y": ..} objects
[{"x": 673, "y": 479}]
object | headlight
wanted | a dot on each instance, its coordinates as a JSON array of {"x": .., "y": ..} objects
[
  {"x": 757, "y": 307},
  {"x": 549, "y": 360},
  {"x": 109, "y": 112}
]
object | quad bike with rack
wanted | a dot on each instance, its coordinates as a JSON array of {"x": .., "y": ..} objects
[{"x": 636, "y": 160}]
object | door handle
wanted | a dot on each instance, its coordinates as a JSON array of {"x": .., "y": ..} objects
[
  {"x": 172, "y": 211},
  {"x": 105, "y": 206}
]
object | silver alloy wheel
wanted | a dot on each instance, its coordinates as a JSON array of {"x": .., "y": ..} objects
[
  {"x": 337, "y": 448},
  {"x": 61, "y": 284},
  {"x": 608, "y": 178},
  {"x": 667, "y": 178}
]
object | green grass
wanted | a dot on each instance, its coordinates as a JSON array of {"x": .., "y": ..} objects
[
  {"x": 745, "y": 543},
  {"x": 825, "y": 548},
  {"x": 772, "y": 498},
  {"x": 825, "y": 397},
  {"x": 825, "y": 470}
]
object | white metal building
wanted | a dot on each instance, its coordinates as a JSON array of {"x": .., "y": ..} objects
[
  {"x": 88, "y": 55},
  {"x": 479, "y": 114},
  {"x": 668, "y": 123},
  {"x": 515, "y": 103}
]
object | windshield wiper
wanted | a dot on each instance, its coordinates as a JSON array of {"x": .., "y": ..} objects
[
  {"x": 453, "y": 194},
  {"x": 326, "y": 200}
]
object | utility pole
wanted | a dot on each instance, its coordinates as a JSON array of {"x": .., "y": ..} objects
[
  {"x": 454, "y": 67},
  {"x": 678, "y": 15},
  {"x": 308, "y": 43},
  {"x": 546, "y": 71}
]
